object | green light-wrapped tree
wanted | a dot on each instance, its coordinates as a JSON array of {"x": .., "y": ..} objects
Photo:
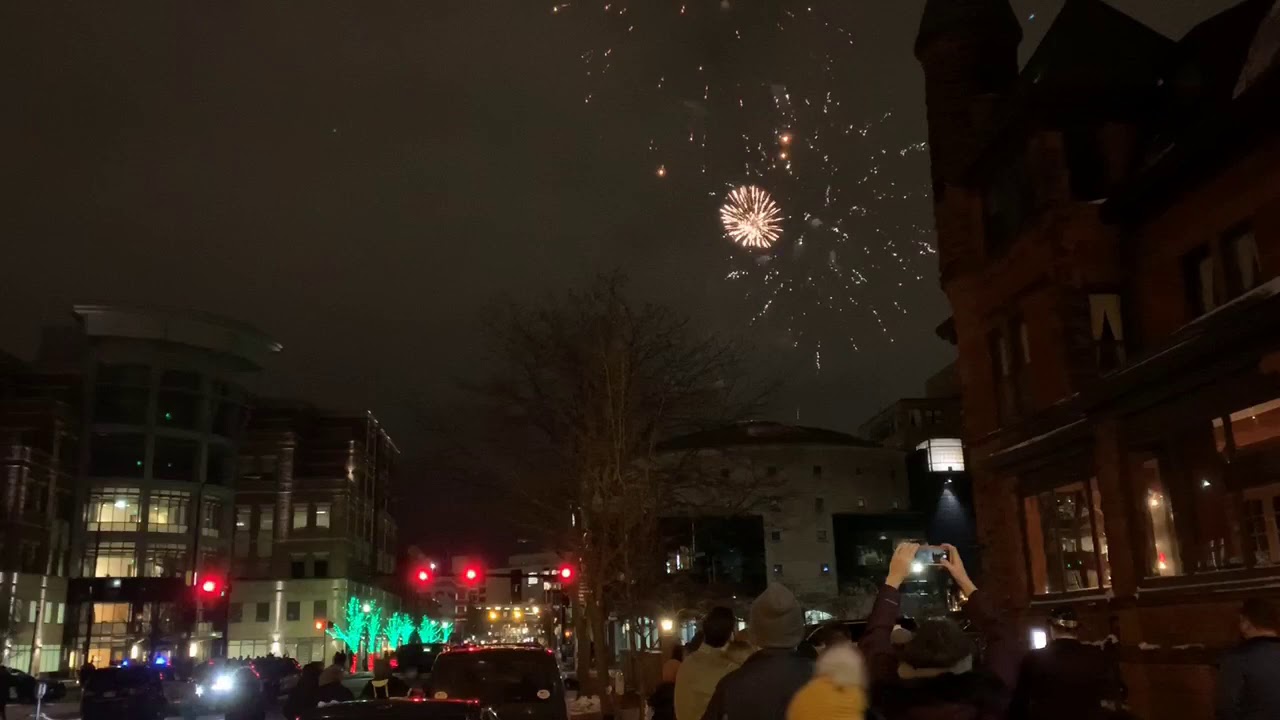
[
  {"x": 399, "y": 629},
  {"x": 355, "y": 624},
  {"x": 433, "y": 631},
  {"x": 374, "y": 628}
]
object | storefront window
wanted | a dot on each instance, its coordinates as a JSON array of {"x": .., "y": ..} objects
[
  {"x": 1066, "y": 540},
  {"x": 113, "y": 509},
  {"x": 1163, "y": 557}
]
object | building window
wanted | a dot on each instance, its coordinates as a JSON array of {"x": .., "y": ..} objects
[
  {"x": 822, "y": 536},
  {"x": 1107, "y": 328},
  {"x": 235, "y": 612},
  {"x": 318, "y": 610},
  {"x": 1163, "y": 557},
  {"x": 775, "y": 536},
  {"x": 240, "y": 540},
  {"x": 321, "y": 567},
  {"x": 1006, "y": 205},
  {"x": 322, "y": 514},
  {"x": 299, "y": 515},
  {"x": 1198, "y": 279},
  {"x": 262, "y": 612},
  {"x": 176, "y": 459},
  {"x": 114, "y": 509},
  {"x": 771, "y": 471},
  {"x": 266, "y": 525},
  {"x": 1240, "y": 260},
  {"x": 297, "y": 568},
  {"x": 943, "y": 454},
  {"x": 211, "y": 519},
  {"x": 165, "y": 560},
  {"x": 819, "y": 505},
  {"x": 293, "y": 611},
  {"x": 177, "y": 409},
  {"x": 110, "y": 559},
  {"x": 117, "y": 455},
  {"x": 1066, "y": 540},
  {"x": 167, "y": 511},
  {"x": 121, "y": 405}
]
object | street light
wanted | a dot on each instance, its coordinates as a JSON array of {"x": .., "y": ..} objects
[
  {"x": 367, "y": 607},
  {"x": 667, "y": 624}
]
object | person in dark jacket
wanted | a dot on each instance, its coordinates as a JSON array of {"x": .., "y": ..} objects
[
  {"x": 1065, "y": 680},
  {"x": 331, "y": 689},
  {"x": 763, "y": 687},
  {"x": 304, "y": 693},
  {"x": 933, "y": 676},
  {"x": 1249, "y": 675},
  {"x": 383, "y": 684}
]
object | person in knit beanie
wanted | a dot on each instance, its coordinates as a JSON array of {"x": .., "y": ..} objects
[
  {"x": 763, "y": 687},
  {"x": 838, "y": 690}
]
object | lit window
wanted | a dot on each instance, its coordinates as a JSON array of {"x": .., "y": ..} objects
[
  {"x": 299, "y": 515},
  {"x": 114, "y": 509},
  {"x": 943, "y": 454},
  {"x": 165, "y": 560},
  {"x": 167, "y": 511},
  {"x": 323, "y": 511},
  {"x": 266, "y": 525},
  {"x": 1163, "y": 556},
  {"x": 110, "y": 559},
  {"x": 211, "y": 519},
  {"x": 1066, "y": 540}
]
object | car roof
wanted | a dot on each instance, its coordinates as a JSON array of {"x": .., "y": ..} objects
[{"x": 395, "y": 708}]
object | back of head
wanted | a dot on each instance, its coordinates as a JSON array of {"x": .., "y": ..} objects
[
  {"x": 717, "y": 627},
  {"x": 330, "y": 676},
  {"x": 381, "y": 669},
  {"x": 939, "y": 644},
  {"x": 843, "y": 665},
  {"x": 339, "y": 658},
  {"x": 1261, "y": 614},
  {"x": 776, "y": 618}
]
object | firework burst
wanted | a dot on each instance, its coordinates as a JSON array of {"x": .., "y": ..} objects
[{"x": 751, "y": 218}]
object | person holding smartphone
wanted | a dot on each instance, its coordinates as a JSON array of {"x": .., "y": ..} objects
[{"x": 933, "y": 675}]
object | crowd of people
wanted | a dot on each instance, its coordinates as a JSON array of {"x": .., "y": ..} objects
[{"x": 934, "y": 671}]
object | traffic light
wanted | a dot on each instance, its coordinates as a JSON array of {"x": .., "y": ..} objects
[
  {"x": 566, "y": 574},
  {"x": 424, "y": 575},
  {"x": 471, "y": 575},
  {"x": 210, "y": 587}
]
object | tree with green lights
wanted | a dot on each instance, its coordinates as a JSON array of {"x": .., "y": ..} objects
[
  {"x": 433, "y": 631},
  {"x": 356, "y": 622},
  {"x": 374, "y": 626},
  {"x": 399, "y": 629}
]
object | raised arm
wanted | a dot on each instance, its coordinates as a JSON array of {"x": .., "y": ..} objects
[
  {"x": 1003, "y": 654},
  {"x": 876, "y": 644}
]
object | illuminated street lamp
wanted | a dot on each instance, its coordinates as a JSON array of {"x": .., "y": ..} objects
[
  {"x": 667, "y": 624},
  {"x": 367, "y": 607}
]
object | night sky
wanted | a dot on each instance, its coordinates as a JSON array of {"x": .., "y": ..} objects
[{"x": 360, "y": 179}]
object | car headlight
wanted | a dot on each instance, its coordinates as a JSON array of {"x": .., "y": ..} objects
[
  {"x": 222, "y": 683},
  {"x": 199, "y": 691}
]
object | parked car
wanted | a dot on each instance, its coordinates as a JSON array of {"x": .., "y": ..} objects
[
  {"x": 279, "y": 675},
  {"x": 136, "y": 693},
  {"x": 221, "y": 686},
  {"x": 22, "y": 688},
  {"x": 402, "y": 709},
  {"x": 513, "y": 681}
]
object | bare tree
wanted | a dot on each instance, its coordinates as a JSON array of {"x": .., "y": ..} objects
[{"x": 588, "y": 386}]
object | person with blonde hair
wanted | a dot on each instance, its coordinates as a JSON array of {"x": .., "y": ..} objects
[{"x": 838, "y": 690}]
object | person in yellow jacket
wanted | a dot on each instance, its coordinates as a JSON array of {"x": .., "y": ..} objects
[{"x": 838, "y": 690}]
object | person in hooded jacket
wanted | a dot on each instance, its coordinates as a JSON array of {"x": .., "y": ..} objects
[
  {"x": 331, "y": 689},
  {"x": 762, "y": 688},
  {"x": 383, "y": 684},
  {"x": 1065, "y": 680},
  {"x": 303, "y": 696},
  {"x": 933, "y": 676}
]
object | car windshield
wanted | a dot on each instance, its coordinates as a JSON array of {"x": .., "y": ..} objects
[
  {"x": 118, "y": 678},
  {"x": 496, "y": 676}
]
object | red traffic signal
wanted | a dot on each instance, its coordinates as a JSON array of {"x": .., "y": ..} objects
[
  {"x": 471, "y": 575},
  {"x": 566, "y": 573},
  {"x": 209, "y": 587},
  {"x": 424, "y": 575}
]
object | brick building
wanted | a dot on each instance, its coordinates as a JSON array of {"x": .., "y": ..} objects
[{"x": 1109, "y": 239}]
